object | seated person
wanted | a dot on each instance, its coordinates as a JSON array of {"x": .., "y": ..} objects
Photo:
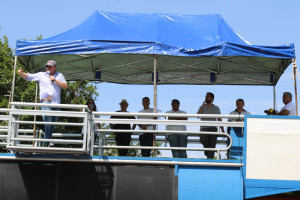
[{"x": 290, "y": 108}]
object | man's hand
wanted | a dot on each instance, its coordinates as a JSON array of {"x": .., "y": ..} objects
[
  {"x": 51, "y": 78},
  {"x": 20, "y": 71},
  {"x": 200, "y": 111}
]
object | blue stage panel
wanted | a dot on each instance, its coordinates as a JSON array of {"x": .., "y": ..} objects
[{"x": 210, "y": 183}]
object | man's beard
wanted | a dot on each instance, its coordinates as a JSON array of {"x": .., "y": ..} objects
[{"x": 207, "y": 101}]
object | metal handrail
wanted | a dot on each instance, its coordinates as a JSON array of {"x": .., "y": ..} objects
[
  {"x": 87, "y": 141},
  {"x": 13, "y": 137}
]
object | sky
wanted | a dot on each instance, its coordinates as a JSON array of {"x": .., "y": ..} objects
[{"x": 261, "y": 22}]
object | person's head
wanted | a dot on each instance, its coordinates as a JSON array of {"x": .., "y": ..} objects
[
  {"x": 287, "y": 97},
  {"x": 175, "y": 104},
  {"x": 123, "y": 104},
  {"x": 209, "y": 97},
  {"x": 51, "y": 66},
  {"x": 91, "y": 104},
  {"x": 240, "y": 104},
  {"x": 146, "y": 102}
]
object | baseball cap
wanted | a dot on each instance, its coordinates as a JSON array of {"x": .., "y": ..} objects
[
  {"x": 51, "y": 63},
  {"x": 123, "y": 101}
]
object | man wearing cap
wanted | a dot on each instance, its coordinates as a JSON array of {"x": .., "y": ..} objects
[
  {"x": 50, "y": 84},
  {"x": 122, "y": 139},
  {"x": 289, "y": 108}
]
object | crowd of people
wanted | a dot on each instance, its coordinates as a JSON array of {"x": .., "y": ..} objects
[{"x": 51, "y": 82}]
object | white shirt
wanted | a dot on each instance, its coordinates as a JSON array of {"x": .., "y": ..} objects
[
  {"x": 235, "y": 112},
  {"x": 291, "y": 107},
  {"x": 176, "y": 127},
  {"x": 150, "y": 110},
  {"x": 48, "y": 87}
]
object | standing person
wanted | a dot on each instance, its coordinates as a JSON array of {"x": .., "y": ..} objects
[
  {"x": 289, "y": 108},
  {"x": 122, "y": 139},
  {"x": 177, "y": 140},
  {"x": 238, "y": 111},
  {"x": 146, "y": 139},
  {"x": 209, "y": 141},
  {"x": 237, "y": 130},
  {"x": 92, "y": 106},
  {"x": 50, "y": 84}
]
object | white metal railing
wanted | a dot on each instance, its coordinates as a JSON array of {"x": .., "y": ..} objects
[
  {"x": 86, "y": 138},
  {"x": 14, "y": 139},
  {"x": 162, "y": 119}
]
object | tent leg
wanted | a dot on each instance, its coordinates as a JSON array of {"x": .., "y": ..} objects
[
  {"x": 274, "y": 97},
  {"x": 295, "y": 84},
  {"x": 14, "y": 80},
  {"x": 155, "y": 83},
  {"x": 155, "y": 96}
]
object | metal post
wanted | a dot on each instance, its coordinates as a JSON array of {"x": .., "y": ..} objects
[
  {"x": 14, "y": 79},
  {"x": 155, "y": 83},
  {"x": 155, "y": 96},
  {"x": 295, "y": 84},
  {"x": 274, "y": 97}
]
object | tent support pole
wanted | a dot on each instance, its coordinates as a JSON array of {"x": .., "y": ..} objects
[
  {"x": 295, "y": 84},
  {"x": 155, "y": 96},
  {"x": 274, "y": 97},
  {"x": 14, "y": 80},
  {"x": 155, "y": 83}
]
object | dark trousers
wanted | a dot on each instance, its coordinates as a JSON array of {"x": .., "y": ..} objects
[
  {"x": 177, "y": 140},
  {"x": 209, "y": 141},
  {"x": 146, "y": 139},
  {"x": 123, "y": 139}
]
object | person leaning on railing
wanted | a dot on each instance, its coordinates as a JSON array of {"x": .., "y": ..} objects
[
  {"x": 238, "y": 111},
  {"x": 237, "y": 130},
  {"x": 122, "y": 139},
  {"x": 50, "y": 84},
  {"x": 177, "y": 140}
]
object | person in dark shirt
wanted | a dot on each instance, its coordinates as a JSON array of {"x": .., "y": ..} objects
[{"x": 122, "y": 139}]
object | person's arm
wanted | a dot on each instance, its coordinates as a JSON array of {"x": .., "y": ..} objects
[
  {"x": 133, "y": 127},
  {"x": 22, "y": 74},
  {"x": 200, "y": 111},
  {"x": 179, "y": 118},
  {"x": 61, "y": 84},
  {"x": 284, "y": 112},
  {"x": 222, "y": 128}
]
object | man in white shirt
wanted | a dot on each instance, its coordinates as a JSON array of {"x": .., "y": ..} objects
[
  {"x": 50, "y": 84},
  {"x": 146, "y": 139},
  {"x": 289, "y": 108},
  {"x": 177, "y": 140}
]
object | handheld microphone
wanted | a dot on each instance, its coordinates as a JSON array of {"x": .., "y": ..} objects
[{"x": 48, "y": 72}]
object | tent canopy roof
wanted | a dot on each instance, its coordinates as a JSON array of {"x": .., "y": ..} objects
[{"x": 191, "y": 49}]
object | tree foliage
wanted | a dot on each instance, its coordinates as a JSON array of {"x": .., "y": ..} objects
[{"x": 77, "y": 93}]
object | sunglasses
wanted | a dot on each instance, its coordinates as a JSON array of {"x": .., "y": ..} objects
[{"x": 49, "y": 66}]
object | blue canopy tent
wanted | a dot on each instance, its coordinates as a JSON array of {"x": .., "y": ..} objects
[{"x": 177, "y": 49}]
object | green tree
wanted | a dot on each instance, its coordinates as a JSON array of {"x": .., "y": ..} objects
[{"x": 77, "y": 92}]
